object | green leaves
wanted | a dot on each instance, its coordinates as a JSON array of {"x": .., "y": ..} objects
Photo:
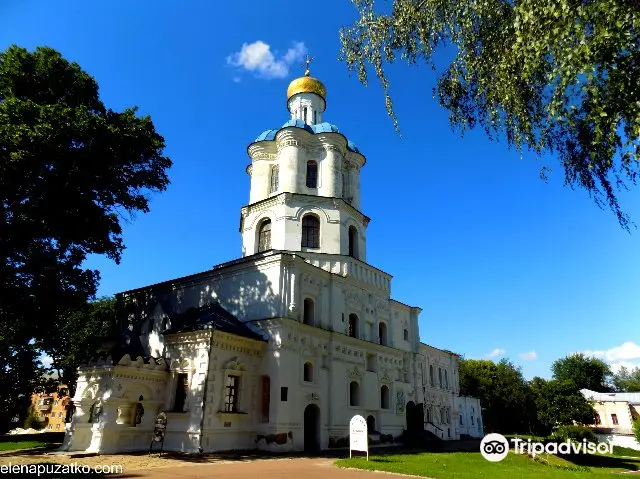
[
  {"x": 70, "y": 170},
  {"x": 540, "y": 72}
]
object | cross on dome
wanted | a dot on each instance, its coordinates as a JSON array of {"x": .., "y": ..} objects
[{"x": 306, "y": 65}]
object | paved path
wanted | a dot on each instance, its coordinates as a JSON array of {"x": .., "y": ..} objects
[{"x": 316, "y": 468}]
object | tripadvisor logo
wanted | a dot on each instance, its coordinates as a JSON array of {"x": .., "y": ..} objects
[{"x": 495, "y": 447}]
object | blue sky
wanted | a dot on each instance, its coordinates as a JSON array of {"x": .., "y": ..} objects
[{"x": 501, "y": 263}]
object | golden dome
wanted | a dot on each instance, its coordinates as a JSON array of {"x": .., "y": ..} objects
[{"x": 306, "y": 84}]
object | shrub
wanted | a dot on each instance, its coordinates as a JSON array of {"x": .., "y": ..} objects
[
  {"x": 636, "y": 429},
  {"x": 32, "y": 421},
  {"x": 574, "y": 433}
]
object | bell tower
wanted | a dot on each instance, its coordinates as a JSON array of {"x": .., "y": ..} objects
[{"x": 305, "y": 182}]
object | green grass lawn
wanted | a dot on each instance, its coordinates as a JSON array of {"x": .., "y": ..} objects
[
  {"x": 463, "y": 465},
  {"x": 12, "y": 446}
]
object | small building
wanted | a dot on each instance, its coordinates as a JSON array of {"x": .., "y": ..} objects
[
  {"x": 51, "y": 408},
  {"x": 615, "y": 414}
]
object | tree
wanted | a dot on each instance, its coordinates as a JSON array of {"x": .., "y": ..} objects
[
  {"x": 79, "y": 335},
  {"x": 553, "y": 76},
  {"x": 559, "y": 402},
  {"x": 586, "y": 372},
  {"x": 636, "y": 430},
  {"x": 507, "y": 403},
  {"x": 71, "y": 171},
  {"x": 627, "y": 380}
]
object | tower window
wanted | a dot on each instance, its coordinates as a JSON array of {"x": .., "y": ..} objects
[
  {"x": 353, "y": 326},
  {"x": 314, "y": 117},
  {"x": 354, "y": 394},
  {"x": 440, "y": 377},
  {"x": 431, "y": 381},
  {"x": 446, "y": 380},
  {"x": 308, "y": 372},
  {"x": 384, "y": 397},
  {"x": 406, "y": 334},
  {"x": 312, "y": 174},
  {"x": 310, "y": 232},
  {"x": 305, "y": 113},
  {"x": 353, "y": 241},
  {"x": 382, "y": 333},
  {"x": 274, "y": 183},
  {"x": 309, "y": 311},
  {"x": 264, "y": 236}
]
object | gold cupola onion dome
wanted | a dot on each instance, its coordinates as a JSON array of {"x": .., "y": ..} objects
[{"x": 307, "y": 84}]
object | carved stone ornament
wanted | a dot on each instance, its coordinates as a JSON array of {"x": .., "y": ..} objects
[
  {"x": 400, "y": 404},
  {"x": 355, "y": 373}
]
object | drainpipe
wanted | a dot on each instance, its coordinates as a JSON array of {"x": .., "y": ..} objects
[{"x": 204, "y": 391}]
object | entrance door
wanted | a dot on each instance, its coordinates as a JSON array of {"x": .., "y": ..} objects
[{"x": 312, "y": 429}]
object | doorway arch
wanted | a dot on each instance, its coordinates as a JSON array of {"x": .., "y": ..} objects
[{"x": 312, "y": 429}]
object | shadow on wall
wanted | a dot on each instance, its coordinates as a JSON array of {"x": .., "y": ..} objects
[{"x": 248, "y": 294}]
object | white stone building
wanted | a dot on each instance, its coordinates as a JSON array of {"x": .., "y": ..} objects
[
  {"x": 615, "y": 416},
  {"x": 278, "y": 349}
]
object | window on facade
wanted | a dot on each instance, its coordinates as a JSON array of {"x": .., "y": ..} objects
[
  {"x": 384, "y": 397},
  {"x": 405, "y": 333},
  {"x": 446, "y": 380},
  {"x": 614, "y": 419},
  {"x": 597, "y": 418},
  {"x": 266, "y": 397},
  {"x": 274, "y": 183},
  {"x": 472, "y": 421},
  {"x": 461, "y": 423},
  {"x": 354, "y": 394},
  {"x": 314, "y": 117},
  {"x": 284, "y": 392},
  {"x": 304, "y": 112},
  {"x": 353, "y": 326},
  {"x": 310, "y": 232},
  {"x": 182, "y": 386},
  {"x": 312, "y": 174},
  {"x": 231, "y": 394},
  {"x": 308, "y": 372},
  {"x": 372, "y": 363},
  {"x": 57, "y": 426},
  {"x": 308, "y": 316},
  {"x": 440, "y": 376},
  {"x": 264, "y": 236},
  {"x": 429, "y": 415},
  {"x": 431, "y": 380},
  {"x": 353, "y": 241},
  {"x": 382, "y": 333}
]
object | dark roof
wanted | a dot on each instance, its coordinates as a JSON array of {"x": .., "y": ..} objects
[{"x": 212, "y": 316}]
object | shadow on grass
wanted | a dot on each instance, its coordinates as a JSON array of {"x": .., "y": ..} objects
[
  {"x": 603, "y": 462},
  {"x": 33, "y": 451}
]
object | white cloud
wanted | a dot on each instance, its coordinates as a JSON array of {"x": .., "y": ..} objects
[
  {"x": 627, "y": 355},
  {"x": 258, "y": 58},
  {"x": 530, "y": 356},
  {"x": 495, "y": 353}
]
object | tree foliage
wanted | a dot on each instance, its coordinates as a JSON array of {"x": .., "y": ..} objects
[
  {"x": 559, "y": 76},
  {"x": 627, "y": 380},
  {"x": 79, "y": 335},
  {"x": 558, "y": 403},
  {"x": 585, "y": 372},
  {"x": 505, "y": 397},
  {"x": 71, "y": 171}
]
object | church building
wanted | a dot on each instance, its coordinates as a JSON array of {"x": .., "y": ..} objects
[{"x": 279, "y": 349}]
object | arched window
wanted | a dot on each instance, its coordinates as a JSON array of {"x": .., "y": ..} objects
[
  {"x": 353, "y": 326},
  {"x": 275, "y": 180},
  {"x": 264, "y": 236},
  {"x": 308, "y": 372},
  {"x": 440, "y": 376},
  {"x": 304, "y": 112},
  {"x": 446, "y": 380},
  {"x": 384, "y": 397},
  {"x": 312, "y": 174},
  {"x": 405, "y": 334},
  {"x": 382, "y": 333},
  {"x": 431, "y": 380},
  {"x": 310, "y": 232},
  {"x": 354, "y": 394},
  {"x": 353, "y": 241},
  {"x": 314, "y": 117},
  {"x": 309, "y": 311}
]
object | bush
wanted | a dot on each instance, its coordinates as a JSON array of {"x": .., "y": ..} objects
[
  {"x": 32, "y": 421},
  {"x": 636, "y": 429},
  {"x": 573, "y": 433}
]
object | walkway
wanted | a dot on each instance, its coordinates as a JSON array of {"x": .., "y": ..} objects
[{"x": 316, "y": 468}]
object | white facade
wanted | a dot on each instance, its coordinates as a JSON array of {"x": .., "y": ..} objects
[
  {"x": 279, "y": 349},
  {"x": 615, "y": 415}
]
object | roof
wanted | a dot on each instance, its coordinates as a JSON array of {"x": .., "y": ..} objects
[
  {"x": 212, "y": 316},
  {"x": 631, "y": 398},
  {"x": 324, "y": 127}
]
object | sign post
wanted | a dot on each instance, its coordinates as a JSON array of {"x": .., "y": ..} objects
[
  {"x": 159, "y": 431},
  {"x": 358, "y": 437}
]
